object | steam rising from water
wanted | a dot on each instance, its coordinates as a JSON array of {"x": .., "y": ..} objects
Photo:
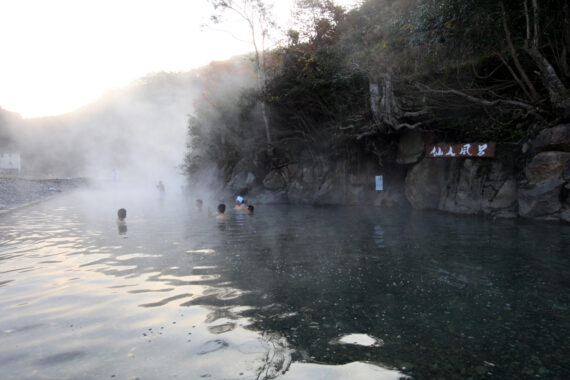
[{"x": 135, "y": 133}]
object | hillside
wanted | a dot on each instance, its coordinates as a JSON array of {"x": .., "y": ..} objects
[
  {"x": 360, "y": 94},
  {"x": 138, "y": 129}
]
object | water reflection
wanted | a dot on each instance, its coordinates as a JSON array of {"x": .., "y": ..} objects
[
  {"x": 288, "y": 292},
  {"x": 122, "y": 228}
]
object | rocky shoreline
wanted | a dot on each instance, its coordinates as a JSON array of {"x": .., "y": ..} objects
[
  {"x": 18, "y": 192},
  {"x": 532, "y": 183}
]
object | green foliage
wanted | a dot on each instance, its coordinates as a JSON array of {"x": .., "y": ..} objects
[
  {"x": 317, "y": 21},
  {"x": 477, "y": 128},
  {"x": 315, "y": 83},
  {"x": 318, "y": 90},
  {"x": 225, "y": 115}
]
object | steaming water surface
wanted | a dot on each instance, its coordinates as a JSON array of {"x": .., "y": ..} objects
[{"x": 291, "y": 292}]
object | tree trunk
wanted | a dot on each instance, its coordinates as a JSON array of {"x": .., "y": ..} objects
[
  {"x": 550, "y": 79},
  {"x": 524, "y": 77},
  {"x": 389, "y": 109},
  {"x": 374, "y": 99},
  {"x": 259, "y": 65},
  {"x": 557, "y": 93},
  {"x": 266, "y": 123},
  {"x": 385, "y": 107},
  {"x": 566, "y": 44}
]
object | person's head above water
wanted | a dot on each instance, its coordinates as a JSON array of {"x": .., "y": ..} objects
[
  {"x": 250, "y": 209},
  {"x": 221, "y": 208},
  {"x": 239, "y": 200},
  {"x": 122, "y": 214}
]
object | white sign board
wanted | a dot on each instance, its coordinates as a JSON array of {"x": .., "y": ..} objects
[{"x": 379, "y": 183}]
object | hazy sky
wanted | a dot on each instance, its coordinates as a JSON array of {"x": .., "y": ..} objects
[{"x": 57, "y": 55}]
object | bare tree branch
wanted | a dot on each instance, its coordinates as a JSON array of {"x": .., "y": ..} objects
[
  {"x": 536, "y": 26},
  {"x": 550, "y": 79},
  {"x": 255, "y": 14},
  {"x": 525, "y": 79},
  {"x": 527, "y": 19},
  {"x": 481, "y": 101},
  {"x": 515, "y": 77}
]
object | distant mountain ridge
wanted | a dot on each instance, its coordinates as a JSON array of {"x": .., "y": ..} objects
[{"x": 138, "y": 128}]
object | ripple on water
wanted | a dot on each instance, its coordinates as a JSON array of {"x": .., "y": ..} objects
[
  {"x": 166, "y": 300},
  {"x": 223, "y": 328},
  {"x": 60, "y": 358},
  {"x": 280, "y": 274},
  {"x": 201, "y": 251},
  {"x": 212, "y": 346},
  {"x": 164, "y": 290},
  {"x": 135, "y": 256}
]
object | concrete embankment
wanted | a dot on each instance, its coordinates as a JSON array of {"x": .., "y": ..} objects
[{"x": 18, "y": 192}]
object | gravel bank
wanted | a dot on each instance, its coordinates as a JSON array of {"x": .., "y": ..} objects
[{"x": 18, "y": 192}]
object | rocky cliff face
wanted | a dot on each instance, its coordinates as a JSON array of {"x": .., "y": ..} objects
[
  {"x": 464, "y": 186},
  {"x": 544, "y": 194},
  {"x": 487, "y": 186},
  {"x": 318, "y": 180},
  {"x": 491, "y": 187}
]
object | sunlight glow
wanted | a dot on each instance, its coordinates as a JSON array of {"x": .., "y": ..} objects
[{"x": 58, "y": 55}]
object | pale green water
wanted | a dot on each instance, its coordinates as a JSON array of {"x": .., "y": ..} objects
[{"x": 272, "y": 295}]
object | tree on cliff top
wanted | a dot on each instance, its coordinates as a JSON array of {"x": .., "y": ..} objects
[
  {"x": 226, "y": 120},
  {"x": 506, "y": 60},
  {"x": 316, "y": 21},
  {"x": 257, "y": 16}
]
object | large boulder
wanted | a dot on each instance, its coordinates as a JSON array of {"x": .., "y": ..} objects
[
  {"x": 262, "y": 196},
  {"x": 275, "y": 181},
  {"x": 241, "y": 182},
  {"x": 300, "y": 192},
  {"x": 547, "y": 165},
  {"x": 541, "y": 200},
  {"x": 566, "y": 173},
  {"x": 565, "y": 216},
  {"x": 355, "y": 194},
  {"x": 390, "y": 199},
  {"x": 545, "y": 194},
  {"x": 503, "y": 203},
  {"x": 463, "y": 186},
  {"x": 319, "y": 181},
  {"x": 425, "y": 181},
  {"x": 410, "y": 148},
  {"x": 329, "y": 193},
  {"x": 480, "y": 186},
  {"x": 248, "y": 172},
  {"x": 557, "y": 139}
]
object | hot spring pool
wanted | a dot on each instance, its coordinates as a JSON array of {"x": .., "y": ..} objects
[{"x": 291, "y": 292}]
